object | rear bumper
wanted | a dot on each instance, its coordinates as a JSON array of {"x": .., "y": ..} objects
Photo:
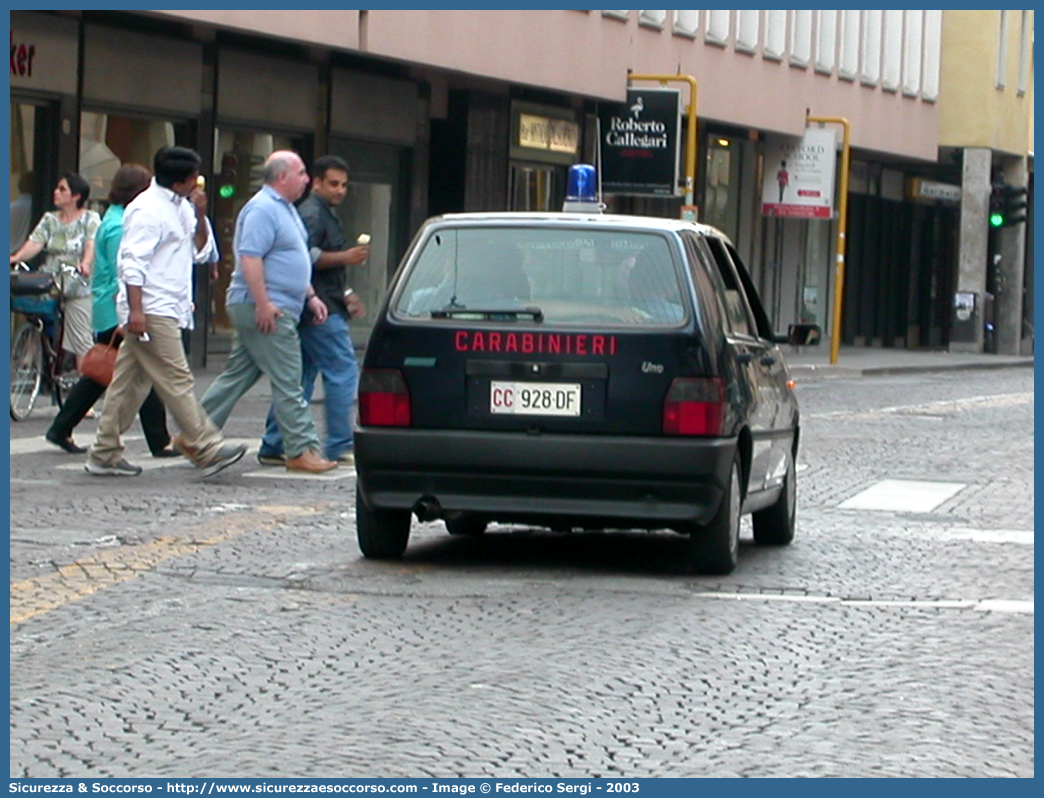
[{"x": 640, "y": 482}]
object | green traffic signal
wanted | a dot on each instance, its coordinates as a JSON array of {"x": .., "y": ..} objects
[
  {"x": 226, "y": 191},
  {"x": 996, "y": 220}
]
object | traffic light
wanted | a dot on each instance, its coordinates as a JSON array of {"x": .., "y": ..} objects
[
  {"x": 1007, "y": 205},
  {"x": 227, "y": 184},
  {"x": 997, "y": 205},
  {"x": 1014, "y": 205}
]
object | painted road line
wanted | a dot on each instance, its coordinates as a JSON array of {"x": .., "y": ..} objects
[
  {"x": 342, "y": 471},
  {"x": 937, "y": 407},
  {"x": 903, "y": 495},
  {"x": 1012, "y": 606},
  {"x": 37, "y": 444},
  {"x": 1018, "y": 537},
  {"x": 84, "y": 577}
]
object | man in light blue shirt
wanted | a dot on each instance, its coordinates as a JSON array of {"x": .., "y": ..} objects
[{"x": 270, "y": 286}]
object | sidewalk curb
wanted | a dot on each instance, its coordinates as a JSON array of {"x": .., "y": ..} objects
[
  {"x": 828, "y": 371},
  {"x": 881, "y": 370}
]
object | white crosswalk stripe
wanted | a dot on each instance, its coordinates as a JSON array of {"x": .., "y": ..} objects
[{"x": 138, "y": 456}]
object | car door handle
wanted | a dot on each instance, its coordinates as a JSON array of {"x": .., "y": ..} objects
[
  {"x": 743, "y": 358},
  {"x": 768, "y": 360}
]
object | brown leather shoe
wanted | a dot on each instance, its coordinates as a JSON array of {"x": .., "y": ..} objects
[{"x": 311, "y": 463}]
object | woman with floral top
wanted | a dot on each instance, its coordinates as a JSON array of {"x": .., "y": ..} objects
[{"x": 66, "y": 235}]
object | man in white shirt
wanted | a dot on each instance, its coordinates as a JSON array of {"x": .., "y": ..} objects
[{"x": 165, "y": 231}]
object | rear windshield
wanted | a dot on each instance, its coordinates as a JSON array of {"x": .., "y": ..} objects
[{"x": 571, "y": 276}]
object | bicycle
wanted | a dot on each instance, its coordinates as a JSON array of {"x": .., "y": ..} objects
[{"x": 37, "y": 358}]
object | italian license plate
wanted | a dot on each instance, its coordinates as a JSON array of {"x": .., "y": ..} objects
[{"x": 535, "y": 398}]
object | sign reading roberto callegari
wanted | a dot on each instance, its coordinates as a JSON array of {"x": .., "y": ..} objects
[{"x": 640, "y": 143}]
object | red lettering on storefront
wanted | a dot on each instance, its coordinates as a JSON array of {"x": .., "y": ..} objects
[{"x": 22, "y": 59}]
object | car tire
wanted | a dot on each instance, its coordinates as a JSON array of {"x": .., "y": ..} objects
[
  {"x": 774, "y": 526},
  {"x": 467, "y": 525},
  {"x": 714, "y": 548},
  {"x": 382, "y": 534}
]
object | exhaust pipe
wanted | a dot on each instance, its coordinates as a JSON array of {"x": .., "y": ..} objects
[{"x": 427, "y": 508}]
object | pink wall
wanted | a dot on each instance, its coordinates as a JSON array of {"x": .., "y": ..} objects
[{"x": 586, "y": 54}]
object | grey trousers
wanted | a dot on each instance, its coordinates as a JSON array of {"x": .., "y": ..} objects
[{"x": 277, "y": 355}]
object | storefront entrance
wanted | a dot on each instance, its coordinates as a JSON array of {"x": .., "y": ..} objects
[{"x": 31, "y": 133}]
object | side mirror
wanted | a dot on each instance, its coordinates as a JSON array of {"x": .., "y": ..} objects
[{"x": 803, "y": 334}]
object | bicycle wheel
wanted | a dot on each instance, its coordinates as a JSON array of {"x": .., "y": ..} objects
[{"x": 26, "y": 370}]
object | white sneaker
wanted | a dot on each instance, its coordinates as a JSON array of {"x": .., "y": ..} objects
[{"x": 226, "y": 456}]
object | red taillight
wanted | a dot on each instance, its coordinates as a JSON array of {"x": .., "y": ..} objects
[
  {"x": 384, "y": 399},
  {"x": 694, "y": 407}
]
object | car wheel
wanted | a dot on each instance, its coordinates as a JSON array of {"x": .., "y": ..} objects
[
  {"x": 715, "y": 547},
  {"x": 470, "y": 525},
  {"x": 382, "y": 534},
  {"x": 774, "y": 526}
]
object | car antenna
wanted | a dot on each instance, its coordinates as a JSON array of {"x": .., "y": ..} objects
[{"x": 456, "y": 266}]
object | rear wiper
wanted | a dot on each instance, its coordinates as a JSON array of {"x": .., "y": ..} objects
[{"x": 480, "y": 314}]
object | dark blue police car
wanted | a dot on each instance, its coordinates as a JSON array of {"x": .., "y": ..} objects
[{"x": 576, "y": 370}]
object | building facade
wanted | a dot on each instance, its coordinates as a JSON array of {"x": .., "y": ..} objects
[
  {"x": 986, "y": 139},
  {"x": 441, "y": 111}
]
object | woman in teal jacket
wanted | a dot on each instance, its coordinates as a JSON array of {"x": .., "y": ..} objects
[{"x": 129, "y": 181}]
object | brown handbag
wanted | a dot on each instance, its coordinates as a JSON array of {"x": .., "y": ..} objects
[{"x": 100, "y": 360}]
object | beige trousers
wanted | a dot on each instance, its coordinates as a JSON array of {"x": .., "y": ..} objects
[{"x": 140, "y": 365}]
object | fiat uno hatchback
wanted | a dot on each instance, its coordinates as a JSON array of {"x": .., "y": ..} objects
[{"x": 575, "y": 370}]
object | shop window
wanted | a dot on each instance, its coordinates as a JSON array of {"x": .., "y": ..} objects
[
  {"x": 108, "y": 141},
  {"x": 23, "y": 176},
  {"x": 238, "y": 160},
  {"x": 377, "y": 203},
  {"x": 721, "y": 195},
  {"x": 535, "y": 188}
]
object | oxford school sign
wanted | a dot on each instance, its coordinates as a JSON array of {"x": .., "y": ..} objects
[
  {"x": 640, "y": 143},
  {"x": 799, "y": 175}
]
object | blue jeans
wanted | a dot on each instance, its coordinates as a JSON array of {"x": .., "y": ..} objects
[{"x": 327, "y": 349}]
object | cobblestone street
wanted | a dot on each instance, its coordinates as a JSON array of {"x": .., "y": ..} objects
[{"x": 169, "y": 626}]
